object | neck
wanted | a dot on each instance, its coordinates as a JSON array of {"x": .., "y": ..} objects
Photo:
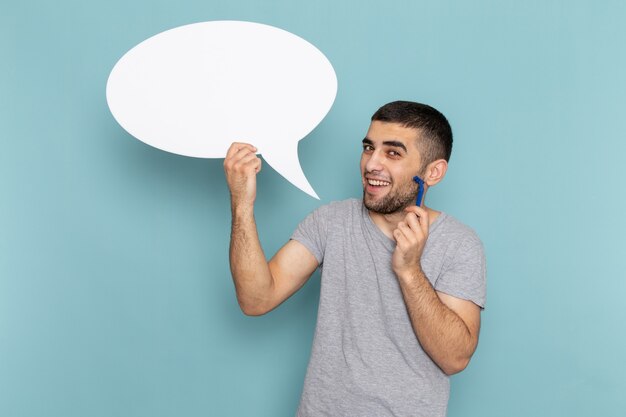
[{"x": 387, "y": 223}]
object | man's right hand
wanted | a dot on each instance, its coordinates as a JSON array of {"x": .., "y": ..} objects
[
  {"x": 260, "y": 285},
  {"x": 241, "y": 166}
]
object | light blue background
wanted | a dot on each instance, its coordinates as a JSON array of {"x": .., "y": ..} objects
[{"x": 115, "y": 293}]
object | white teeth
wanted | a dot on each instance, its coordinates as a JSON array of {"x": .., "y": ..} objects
[{"x": 377, "y": 182}]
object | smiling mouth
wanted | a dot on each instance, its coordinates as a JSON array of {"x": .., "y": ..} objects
[{"x": 377, "y": 183}]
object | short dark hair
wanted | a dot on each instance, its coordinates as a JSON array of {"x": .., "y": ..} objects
[{"x": 435, "y": 141}]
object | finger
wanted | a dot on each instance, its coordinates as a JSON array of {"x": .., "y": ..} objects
[
  {"x": 423, "y": 217},
  {"x": 234, "y": 154},
  {"x": 248, "y": 161},
  {"x": 400, "y": 238},
  {"x": 258, "y": 165},
  {"x": 244, "y": 151},
  {"x": 237, "y": 146},
  {"x": 251, "y": 165},
  {"x": 242, "y": 154},
  {"x": 419, "y": 211},
  {"x": 414, "y": 224},
  {"x": 409, "y": 234}
]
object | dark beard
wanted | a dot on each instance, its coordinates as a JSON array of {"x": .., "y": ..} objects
[{"x": 393, "y": 203}]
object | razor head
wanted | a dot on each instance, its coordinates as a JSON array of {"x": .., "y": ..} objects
[{"x": 420, "y": 190}]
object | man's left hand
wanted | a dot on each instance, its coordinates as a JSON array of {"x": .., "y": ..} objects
[{"x": 411, "y": 235}]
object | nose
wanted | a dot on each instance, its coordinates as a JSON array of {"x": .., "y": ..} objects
[{"x": 373, "y": 162}]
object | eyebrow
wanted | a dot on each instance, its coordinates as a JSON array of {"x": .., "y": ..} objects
[{"x": 393, "y": 143}]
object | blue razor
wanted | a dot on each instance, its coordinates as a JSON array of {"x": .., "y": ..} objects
[{"x": 420, "y": 190}]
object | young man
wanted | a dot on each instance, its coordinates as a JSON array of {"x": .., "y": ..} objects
[{"x": 402, "y": 285}]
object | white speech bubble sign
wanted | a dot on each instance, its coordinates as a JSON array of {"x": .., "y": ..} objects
[{"x": 195, "y": 89}]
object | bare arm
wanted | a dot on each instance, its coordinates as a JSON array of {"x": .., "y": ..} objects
[
  {"x": 446, "y": 327},
  {"x": 260, "y": 286}
]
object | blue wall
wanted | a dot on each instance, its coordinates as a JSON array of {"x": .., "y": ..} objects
[{"x": 115, "y": 293}]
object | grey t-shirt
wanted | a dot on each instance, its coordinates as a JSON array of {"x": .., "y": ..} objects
[{"x": 366, "y": 359}]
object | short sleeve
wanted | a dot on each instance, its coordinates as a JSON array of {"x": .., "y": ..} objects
[
  {"x": 312, "y": 232},
  {"x": 465, "y": 276}
]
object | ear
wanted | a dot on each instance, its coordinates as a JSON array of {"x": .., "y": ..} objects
[{"x": 435, "y": 171}]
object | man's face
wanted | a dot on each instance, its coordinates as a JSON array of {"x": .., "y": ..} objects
[{"x": 389, "y": 161}]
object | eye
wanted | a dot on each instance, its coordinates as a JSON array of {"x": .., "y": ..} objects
[
  {"x": 394, "y": 154},
  {"x": 368, "y": 148}
]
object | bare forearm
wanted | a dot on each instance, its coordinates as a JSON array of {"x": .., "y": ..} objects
[
  {"x": 443, "y": 335},
  {"x": 251, "y": 274}
]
